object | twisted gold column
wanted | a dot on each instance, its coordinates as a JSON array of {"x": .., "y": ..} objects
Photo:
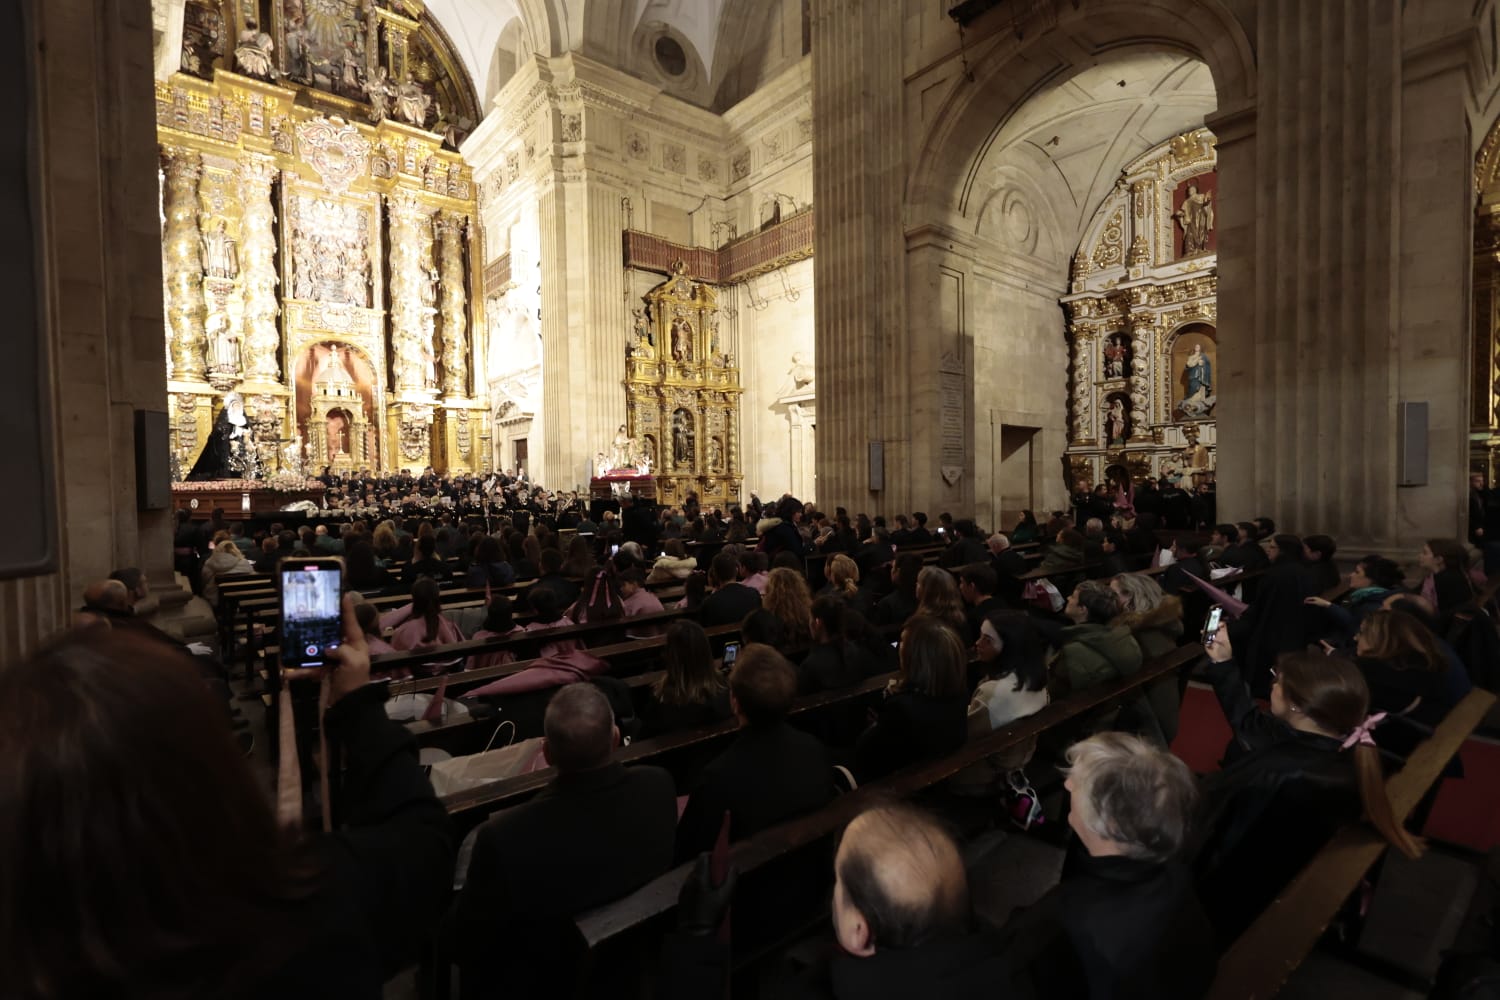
[{"x": 183, "y": 267}]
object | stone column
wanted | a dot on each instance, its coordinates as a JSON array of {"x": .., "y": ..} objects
[
  {"x": 262, "y": 344},
  {"x": 866, "y": 391},
  {"x": 1344, "y": 236},
  {"x": 450, "y": 233},
  {"x": 182, "y": 262}
]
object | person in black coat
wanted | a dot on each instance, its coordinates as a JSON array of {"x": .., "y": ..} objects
[
  {"x": 1124, "y": 921},
  {"x": 1291, "y": 777},
  {"x": 1246, "y": 553},
  {"x": 133, "y": 858},
  {"x": 1009, "y": 566},
  {"x": 1278, "y": 619},
  {"x": 925, "y": 714},
  {"x": 638, "y": 523},
  {"x": 976, "y": 585},
  {"x": 598, "y": 831},
  {"x": 966, "y": 547},
  {"x": 1186, "y": 550},
  {"x": 901, "y": 603},
  {"x": 770, "y": 773},
  {"x": 731, "y": 600}
]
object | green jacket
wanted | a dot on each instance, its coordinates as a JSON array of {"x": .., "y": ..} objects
[{"x": 1095, "y": 654}]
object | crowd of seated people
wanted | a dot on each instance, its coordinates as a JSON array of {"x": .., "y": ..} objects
[{"x": 1166, "y": 871}]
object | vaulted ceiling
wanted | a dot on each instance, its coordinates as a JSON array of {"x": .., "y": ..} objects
[{"x": 709, "y": 36}]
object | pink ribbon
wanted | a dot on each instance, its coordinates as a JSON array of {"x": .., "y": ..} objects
[{"x": 1362, "y": 732}]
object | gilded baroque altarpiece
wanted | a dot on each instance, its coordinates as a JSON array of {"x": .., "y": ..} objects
[
  {"x": 1142, "y": 321},
  {"x": 683, "y": 393},
  {"x": 319, "y": 236}
]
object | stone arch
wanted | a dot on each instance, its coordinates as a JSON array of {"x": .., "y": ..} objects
[
  {"x": 1012, "y": 67},
  {"x": 512, "y": 50}
]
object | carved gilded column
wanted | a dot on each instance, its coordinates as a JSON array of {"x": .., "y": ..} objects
[
  {"x": 450, "y": 232},
  {"x": 411, "y": 291},
  {"x": 262, "y": 339},
  {"x": 1082, "y": 396},
  {"x": 183, "y": 267}
]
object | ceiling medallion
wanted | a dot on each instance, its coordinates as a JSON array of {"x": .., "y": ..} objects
[{"x": 336, "y": 151}]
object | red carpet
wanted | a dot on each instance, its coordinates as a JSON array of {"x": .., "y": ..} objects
[{"x": 1467, "y": 810}]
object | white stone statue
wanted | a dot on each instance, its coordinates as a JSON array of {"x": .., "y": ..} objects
[
  {"x": 226, "y": 346},
  {"x": 380, "y": 89},
  {"x": 412, "y": 102},
  {"x": 253, "y": 54},
  {"x": 221, "y": 256}
]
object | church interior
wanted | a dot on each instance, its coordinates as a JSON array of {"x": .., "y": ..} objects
[{"x": 658, "y": 299}]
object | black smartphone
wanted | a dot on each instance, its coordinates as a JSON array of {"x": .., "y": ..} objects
[
  {"x": 1212, "y": 623},
  {"x": 311, "y": 616},
  {"x": 731, "y": 653}
]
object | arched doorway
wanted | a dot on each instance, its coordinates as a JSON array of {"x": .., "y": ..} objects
[
  {"x": 1054, "y": 207},
  {"x": 338, "y": 398}
]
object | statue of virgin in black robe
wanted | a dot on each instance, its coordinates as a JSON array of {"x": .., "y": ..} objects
[{"x": 227, "y": 454}]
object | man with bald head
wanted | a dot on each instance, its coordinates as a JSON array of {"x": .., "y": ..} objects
[
  {"x": 598, "y": 831},
  {"x": 901, "y": 916}
]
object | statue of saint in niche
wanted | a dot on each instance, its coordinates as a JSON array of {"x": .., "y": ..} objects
[
  {"x": 1198, "y": 378},
  {"x": 221, "y": 255},
  {"x": 682, "y": 437},
  {"x": 1116, "y": 422},
  {"x": 1196, "y": 216},
  {"x": 1116, "y": 357},
  {"x": 682, "y": 340}
]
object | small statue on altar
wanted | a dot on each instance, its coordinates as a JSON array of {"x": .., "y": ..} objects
[
  {"x": 412, "y": 102},
  {"x": 252, "y": 56},
  {"x": 643, "y": 342},
  {"x": 380, "y": 89},
  {"x": 226, "y": 347},
  {"x": 221, "y": 257},
  {"x": 682, "y": 340}
]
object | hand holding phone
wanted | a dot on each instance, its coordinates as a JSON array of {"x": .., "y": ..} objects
[
  {"x": 731, "y": 653},
  {"x": 311, "y": 619},
  {"x": 1211, "y": 625},
  {"x": 351, "y": 660}
]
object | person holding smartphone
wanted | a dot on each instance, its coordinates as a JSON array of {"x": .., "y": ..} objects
[{"x": 147, "y": 875}]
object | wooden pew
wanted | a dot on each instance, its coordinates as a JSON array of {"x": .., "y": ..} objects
[
  {"x": 659, "y": 896},
  {"x": 472, "y": 806},
  {"x": 1261, "y": 959}
]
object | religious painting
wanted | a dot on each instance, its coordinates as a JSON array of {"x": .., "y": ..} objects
[
  {"x": 1118, "y": 356},
  {"x": 1116, "y": 420},
  {"x": 203, "y": 39},
  {"x": 1195, "y": 352},
  {"x": 1194, "y": 213}
]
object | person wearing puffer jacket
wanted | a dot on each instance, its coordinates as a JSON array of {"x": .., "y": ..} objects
[
  {"x": 1155, "y": 620},
  {"x": 225, "y": 561},
  {"x": 673, "y": 564},
  {"x": 1092, "y": 650},
  {"x": 777, "y": 535}
]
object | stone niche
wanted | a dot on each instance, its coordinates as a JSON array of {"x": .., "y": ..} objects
[{"x": 1142, "y": 322}]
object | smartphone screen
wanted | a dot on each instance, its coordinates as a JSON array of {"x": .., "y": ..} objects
[
  {"x": 1211, "y": 626},
  {"x": 731, "y": 653},
  {"x": 614, "y": 550},
  {"x": 310, "y": 614}
]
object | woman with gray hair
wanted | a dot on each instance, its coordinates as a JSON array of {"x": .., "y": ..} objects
[
  {"x": 1154, "y": 618},
  {"x": 1124, "y": 921}
]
